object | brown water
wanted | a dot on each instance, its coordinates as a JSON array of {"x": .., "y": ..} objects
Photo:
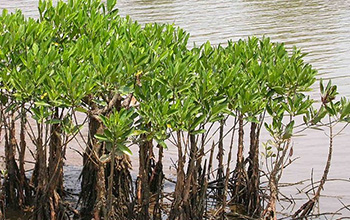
[{"x": 319, "y": 27}]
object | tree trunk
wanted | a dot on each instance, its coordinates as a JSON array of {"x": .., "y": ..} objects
[
  {"x": 186, "y": 190},
  {"x": 306, "y": 208},
  {"x": 122, "y": 188},
  {"x": 93, "y": 175},
  {"x": 178, "y": 194},
  {"x": 42, "y": 211},
  {"x": 220, "y": 157},
  {"x": 110, "y": 197},
  {"x": 253, "y": 198},
  {"x": 270, "y": 211},
  {"x": 26, "y": 191},
  {"x": 190, "y": 188},
  {"x": 240, "y": 188},
  {"x": 95, "y": 180},
  {"x": 157, "y": 185},
  {"x": 55, "y": 175},
  {"x": 12, "y": 181},
  {"x": 143, "y": 188},
  {"x": 99, "y": 210}
]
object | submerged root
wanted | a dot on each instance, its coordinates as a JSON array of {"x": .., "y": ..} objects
[
  {"x": 123, "y": 190},
  {"x": 49, "y": 207},
  {"x": 305, "y": 209}
]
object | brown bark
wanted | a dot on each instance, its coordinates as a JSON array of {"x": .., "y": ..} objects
[
  {"x": 12, "y": 181},
  {"x": 156, "y": 185},
  {"x": 110, "y": 186},
  {"x": 120, "y": 191},
  {"x": 199, "y": 202},
  {"x": 99, "y": 210},
  {"x": 178, "y": 194},
  {"x": 2, "y": 190},
  {"x": 253, "y": 198},
  {"x": 145, "y": 154},
  {"x": 188, "y": 199},
  {"x": 54, "y": 189},
  {"x": 22, "y": 178},
  {"x": 96, "y": 173},
  {"x": 17, "y": 189},
  {"x": 56, "y": 159},
  {"x": 41, "y": 203},
  {"x": 307, "y": 207},
  {"x": 270, "y": 211},
  {"x": 2, "y": 200},
  {"x": 240, "y": 188},
  {"x": 240, "y": 158},
  {"x": 92, "y": 174},
  {"x": 49, "y": 189},
  {"x": 122, "y": 188},
  {"x": 197, "y": 182},
  {"x": 220, "y": 157},
  {"x": 227, "y": 177},
  {"x": 190, "y": 187}
]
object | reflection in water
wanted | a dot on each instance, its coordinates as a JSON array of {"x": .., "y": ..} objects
[{"x": 319, "y": 27}]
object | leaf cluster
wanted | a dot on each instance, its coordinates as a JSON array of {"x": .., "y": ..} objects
[{"x": 82, "y": 53}]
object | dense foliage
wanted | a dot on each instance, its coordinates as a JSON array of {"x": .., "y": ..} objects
[{"x": 144, "y": 86}]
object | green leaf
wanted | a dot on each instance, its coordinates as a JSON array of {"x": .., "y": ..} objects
[
  {"x": 125, "y": 149},
  {"x": 111, "y": 4},
  {"x": 269, "y": 110},
  {"x": 347, "y": 119},
  {"x": 200, "y": 131},
  {"x": 108, "y": 134},
  {"x": 319, "y": 116},
  {"x": 216, "y": 118},
  {"x": 76, "y": 129},
  {"x": 197, "y": 121},
  {"x": 329, "y": 84},
  {"x": 321, "y": 86},
  {"x": 24, "y": 61},
  {"x": 288, "y": 131},
  {"x": 104, "y": 120},
  {"x": 219, "y": 108},
  {"x": 138, "y": 132},
  {"x": 126, "y": 90},
  {"x": 268, "y": 128},
  {"x": 81, "y": 109},
  {"x": 35, "y": 49},
  {"x": 59, "y": 103},
  {"x": 53, "y": 121},
  {"x": 3, "y": 99},
  {"x": 162, "y": 143},
  {"x": 345, "y": 111},
  {"x": 253, "y": 119},
  {"x": 101, "y": 137},
  {"x": 40, "y": 103},
  {"x": 330, "y": 110},
  {"x": 36, "y": 112},
  {"x": 279, "y": 90}
]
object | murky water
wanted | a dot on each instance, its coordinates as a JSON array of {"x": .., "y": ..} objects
[{"x": 319, "y": 27}]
